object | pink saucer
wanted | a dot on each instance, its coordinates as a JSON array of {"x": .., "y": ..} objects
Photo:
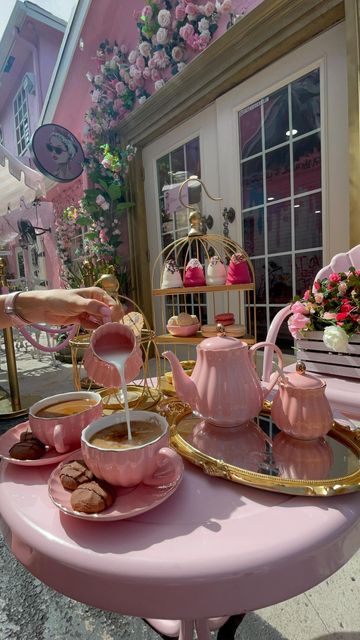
[
  {"x": 13, "y": 436},
  {"x": 129, "y": 502}
]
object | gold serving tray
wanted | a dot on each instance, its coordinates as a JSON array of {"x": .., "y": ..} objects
[{"x": 249, "y": 455}]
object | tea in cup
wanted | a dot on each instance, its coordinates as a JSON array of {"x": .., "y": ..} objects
[
  {"x": 58, "y": 421},
  {"x": 146, "y": 458}
]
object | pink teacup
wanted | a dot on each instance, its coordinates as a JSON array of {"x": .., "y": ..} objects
[
  {"x": 104, "y": 343},
  {"x": 153, "y": 463},
  {"x": 63, "y": 431}
]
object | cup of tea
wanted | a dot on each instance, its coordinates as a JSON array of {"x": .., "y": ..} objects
[
  {"x": 59, "y": 420},
  {"x": 113, "y": 348},
  {"x": 146, "y": 458}
]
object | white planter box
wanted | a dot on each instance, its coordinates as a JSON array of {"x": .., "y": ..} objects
[{"x": 318, "y": 359}]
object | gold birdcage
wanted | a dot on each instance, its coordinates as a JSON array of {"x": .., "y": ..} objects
[
  {"x": 203, "y": 303},
  {"x": 143, "y": 392}
]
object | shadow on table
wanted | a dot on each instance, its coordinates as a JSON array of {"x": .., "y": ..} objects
[
  {"x": 341, "y": 635},
  {"x": 196, "y": 504}
]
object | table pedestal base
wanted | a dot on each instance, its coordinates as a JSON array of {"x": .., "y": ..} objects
[{"x": 184, "y": 629}]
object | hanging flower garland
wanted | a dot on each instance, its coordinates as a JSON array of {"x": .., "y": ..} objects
[{"x": 66, "y": 229}]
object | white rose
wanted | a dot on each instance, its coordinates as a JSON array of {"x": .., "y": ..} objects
[
  {"x": 159, "y": 84},
  {"x": 336, "y": 339},
  {"x": 164, "y": 18}
]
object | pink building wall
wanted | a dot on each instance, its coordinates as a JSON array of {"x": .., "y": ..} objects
[{"x": 47, "y": 42}]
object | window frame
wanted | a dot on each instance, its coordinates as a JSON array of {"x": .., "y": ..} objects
[{"x": 17, "y": 127}]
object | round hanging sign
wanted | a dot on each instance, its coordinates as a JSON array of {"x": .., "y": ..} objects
[{"x": 57, "y": 153}]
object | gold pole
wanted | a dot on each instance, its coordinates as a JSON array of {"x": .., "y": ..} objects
[
  {"x": 9, "y": 350},
  {"x": 88, "y": 274},
  {"x": 12, "y": 370}
]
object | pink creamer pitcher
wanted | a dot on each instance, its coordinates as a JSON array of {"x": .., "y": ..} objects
[
  {"x": 224, "y": 387},
  {"x": 108, "y": 340},
  {"x": 300, "y": 407}
]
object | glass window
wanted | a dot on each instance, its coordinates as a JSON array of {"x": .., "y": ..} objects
[
  {"x": 282, "y": 212},
  {"x": 21, "y": 115}
]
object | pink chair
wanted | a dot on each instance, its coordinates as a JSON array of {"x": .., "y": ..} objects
[{"x": 343, "y": 393}]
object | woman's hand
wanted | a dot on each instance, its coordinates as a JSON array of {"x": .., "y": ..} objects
[{"x": 89, "y": 307}]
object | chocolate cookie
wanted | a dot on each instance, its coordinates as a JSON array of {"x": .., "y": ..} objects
[
  {"x": 29, "y": 449},
  {"x": 92, "y": 497},
  {"x": 74, "y": 473}
]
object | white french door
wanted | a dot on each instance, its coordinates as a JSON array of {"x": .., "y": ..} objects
[
  {"x": 276, "y": 149},
  {"x": 190, "y": 149}
]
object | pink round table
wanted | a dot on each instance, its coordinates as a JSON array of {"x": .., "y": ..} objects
[{"x": 213, "y": 549}]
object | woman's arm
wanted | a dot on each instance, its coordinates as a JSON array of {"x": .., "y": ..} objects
[{"x": 88, "y": 307}]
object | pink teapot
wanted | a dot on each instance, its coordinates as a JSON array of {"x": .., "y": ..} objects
[
  {"x": 224, "y": 388},
  {"x": 300, "y": 407}
]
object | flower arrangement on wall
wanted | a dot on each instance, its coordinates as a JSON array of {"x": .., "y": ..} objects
[
  {"x": 169, "y": 31},
  {"x": 333, "y": 307}
]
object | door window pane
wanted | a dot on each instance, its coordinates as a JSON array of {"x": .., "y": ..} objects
[
  {"x": 280, "y": 279},
  {"x": 259, "y": 272},
  {"x": 279, "y": 227},
  {"x": 305, "y": 103},
  {"x": 252, "y": 183},
  {"x": 307, "y": 164},
  {"x": 276, "y": 118},
  {"x": 306, "y": 265},
  {"x": 192, "y": 153},
  {"x": 278, "y": 174},
  {"x": 250, "y": 131},
  {"x": 253, "y": 232},
  {"x": 308, "y": 216}
]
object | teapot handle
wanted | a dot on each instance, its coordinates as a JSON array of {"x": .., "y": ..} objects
[{"x": 258, "y": 345}]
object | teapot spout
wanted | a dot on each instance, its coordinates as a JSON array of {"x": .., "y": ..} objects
[{"x": 184, "y": 386}]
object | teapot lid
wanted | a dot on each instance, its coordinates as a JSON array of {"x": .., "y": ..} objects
[
  {"x": 300, "y": 379},
  {"x": 221, "y": 342}
]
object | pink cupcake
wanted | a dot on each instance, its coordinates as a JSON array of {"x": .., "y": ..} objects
[
  {"x": 194, "y": 274},
  {"x": 238, "y": 271}
]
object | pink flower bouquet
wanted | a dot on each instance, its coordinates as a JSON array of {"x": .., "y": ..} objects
[{"x": 332, "y": 306}]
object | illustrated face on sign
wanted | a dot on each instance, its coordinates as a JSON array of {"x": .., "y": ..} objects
[
  {"x": 62, "y": 150},
  {"x": 57, "y": 153}
]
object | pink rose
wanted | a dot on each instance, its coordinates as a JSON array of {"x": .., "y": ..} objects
[
  {"x": 177, "y": 54},
  {"x": 186, "y": 32},
  {"x": 120, "y": 88},
  {"x": 297, "y": 323},
  {"x": 307, "y": 295},
  {"x": 319, "y": 297},
  {"x": 209, "y": 9},
  {"x": 342, "y": 288},
  {"x": 180, "y": 13},
  {"x": 298, "y": 307},
  {"x": 334, "y": 277},
  {"x": 155, "y": 75},
  {"x": 191, "y": 11},
  {"x": 147, "y": 11}
]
